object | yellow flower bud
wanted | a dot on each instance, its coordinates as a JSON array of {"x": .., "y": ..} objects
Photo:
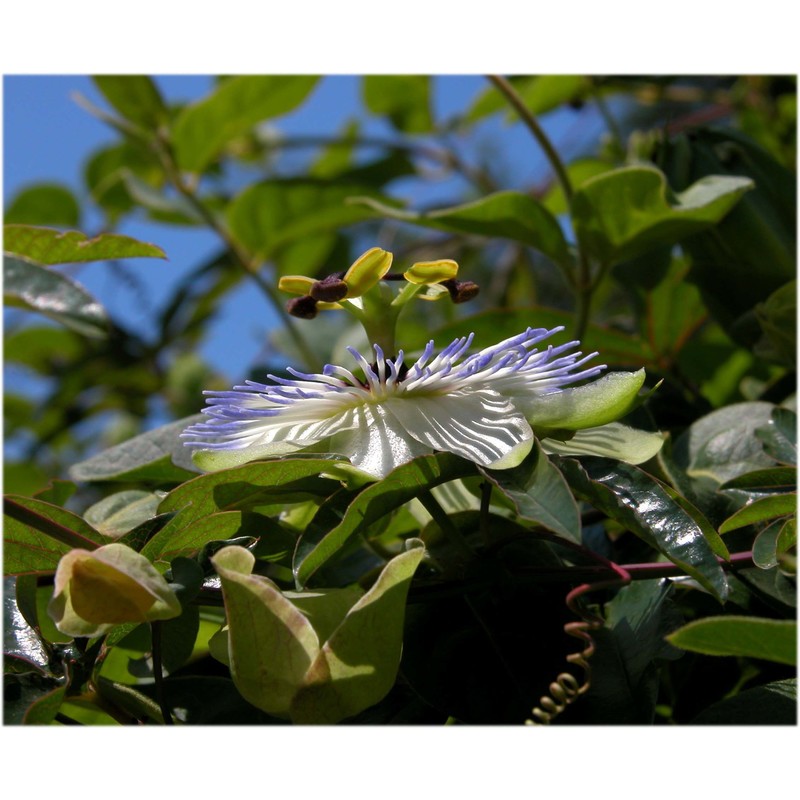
[{"x": 95, "y": 590}]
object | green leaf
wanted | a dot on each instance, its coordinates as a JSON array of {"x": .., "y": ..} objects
[
  {"x": 262, "y": 623},
  {"x": 540, "y": 494},
  {"x": 136, "y": 97},
  {"x": 722, "y": 445},
  {"x": 232, "y": 109},
  {"x": 612, "y": 440},
  {"x": 772, "y": 704},
  {"x": 758, "y": 237},
  {"x": 44, "y": 204},
  {"x": 779, "y": 436},
  {"x": 121, "y": 512},
  {"x": 37, "y": 534},
  {"x": 49, "y": 246},
  {"x": 490, "y": 327},
  {"x": 540, "y": 93},
  {"x": 405, "y": 99},
  {"x": 38, "y": 289},
  {"x": 766, "y": 508},
  {"x": 578, "y": 173},
  {"x": 157, "y": 456},
  {"x": 777, "y": 316},
  {"x": 768, "y": 639},
  {"x": 630, "y": 649},
  {"x": 504, "y": 215},
  {"x": 257, "y": 483},
  {"x": 636, "y": 500},
  {"x": 625, "y": 212},
  {"x": 357, "y": 666},
  {"x": 186, "y": 535},
  {"x": 397, "y": 488},
  {"x": 43, "y": 711},
  {"x": 107, "y": 168},
  {"x": 765, "y": 545},
  {"x": 269, "y": 216},
  {"x": 772, "y": 479}
]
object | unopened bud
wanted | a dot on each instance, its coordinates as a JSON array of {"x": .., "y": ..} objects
[
  {"x": 303, "y": 307},
  {"x": 461, "y": 291}
]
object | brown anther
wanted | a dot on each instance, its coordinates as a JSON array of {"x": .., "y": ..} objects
[
  {"x": 461, "y": 291},
  {"x": 330, "y": 289},
  {"x": 303, "y": 307}
]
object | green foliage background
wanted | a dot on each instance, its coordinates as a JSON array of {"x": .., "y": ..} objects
[{"x": 669, "y": 245}]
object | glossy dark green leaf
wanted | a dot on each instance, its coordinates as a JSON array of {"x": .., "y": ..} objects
[
  {"x": 22, "y": 694},
  {"x": 779, "y": 436},
  {"x": 722, "y": 445},
  {"x": 540, "y": 494},
  {"x": 636, "y": 500},
  {"x": 267, "y": 217},
  {"x": 178, "y": 636},
  {"x": 233, "y": 108},
  {"x": 37, "y": 534},
  {"x": 49, "y": 246},
  {"x": 772, "y": 479},
  {"x": 766, "y": 508},
  {"x": 44, "y": 204},
  {"x": 135, "y": 97},
  {"x": 503, "y": 215},
  {"x": 257, "y": 483},
  {"x": 378, "y": 499},
  {"x": 625, "y": 212},
  {"x": 404, "y": 99},
  {"x": 121, "y": 512},
  {"x": 772, "y": 704},
  {"x": 157, "y": 456},
  {"x": 768, "y": 639},
  {"x": 19, "y": 639},
  {"x": 50, "y": 293},
  {"x": 630, "y": 650}
]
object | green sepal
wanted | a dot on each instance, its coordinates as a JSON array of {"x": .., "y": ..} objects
[{"x": 598, "y": 403}]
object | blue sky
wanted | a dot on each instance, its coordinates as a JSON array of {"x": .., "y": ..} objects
[{"x": 49, "y": 137}]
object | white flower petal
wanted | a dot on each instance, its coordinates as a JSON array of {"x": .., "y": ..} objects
[
  {"x": 293, "y": 430},
  {"x": 481, "y": 425},
  {"x": 378, "y": 442}
]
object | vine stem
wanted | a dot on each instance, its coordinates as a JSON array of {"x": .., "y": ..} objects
[
  {"x": 241, "y": 256},
  {"x": 446, "y": 526},
  {"x": 533, "y": 126}
]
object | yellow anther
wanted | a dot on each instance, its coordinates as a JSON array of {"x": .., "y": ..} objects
[{"x": 366, "y": 271}]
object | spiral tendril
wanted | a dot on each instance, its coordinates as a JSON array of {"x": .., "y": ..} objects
[{"x": 566, "y": 689}]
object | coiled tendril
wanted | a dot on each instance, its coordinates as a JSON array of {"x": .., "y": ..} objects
[{"x": 566, "y": 689}]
